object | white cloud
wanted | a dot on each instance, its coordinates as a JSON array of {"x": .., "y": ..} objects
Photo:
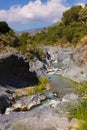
[
  {"x": 51, "y": 11},
  {"x": 81, "y": 3}
]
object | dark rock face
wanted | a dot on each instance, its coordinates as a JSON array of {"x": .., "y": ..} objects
[
  {"x": 14, "y": 72},
  {"x": 4, "y": 103}
]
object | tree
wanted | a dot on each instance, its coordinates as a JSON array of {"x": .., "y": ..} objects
[
  {"x": 4, "y": 28},
  {"x": 83, "y": 15},
  {"x": 71, "y": 15}
]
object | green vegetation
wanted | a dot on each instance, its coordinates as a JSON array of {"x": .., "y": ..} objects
[
  {"x": 82, "y": 125},
  {"x": 71, "y": 29},
  {"x": 81, "y": 88},
  {"x": 22, "y": 127},
  {"x": 43, "y": 85},
  {"x": 79, "y": 111},
  {"x": 83, "y": 15},
  {"x": 71, "y": 15},
  {"x": 4, "y": 28}
]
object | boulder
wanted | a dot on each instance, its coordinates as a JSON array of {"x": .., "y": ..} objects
[{"x": 38, "y": 66}]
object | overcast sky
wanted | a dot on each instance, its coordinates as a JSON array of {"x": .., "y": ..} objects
[{"x": 30, "y": 14}]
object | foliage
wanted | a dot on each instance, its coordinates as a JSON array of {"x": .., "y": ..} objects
[
  {"x": 71, "y": 15},
  {"x": 81, "y": 88},
  {"x": 83, "y": 15},
  {"x": 43, "y": 84},
  {"x": 79, "y": 111},
  {"x": 4, "y": 28},
  {"x": 69, "y": 30},
  {"x": 24, "y": 38},
  {"x": 82, "y": 125}
]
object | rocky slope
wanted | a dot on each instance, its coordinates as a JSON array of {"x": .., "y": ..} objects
[
  {"x": 14, "y": 74},
  {"x": 69, "y": 58}
]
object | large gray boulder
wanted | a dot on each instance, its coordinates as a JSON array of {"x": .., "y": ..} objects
[{"x": 38, "y": 67}]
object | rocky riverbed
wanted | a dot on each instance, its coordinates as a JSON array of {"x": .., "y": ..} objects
[
  {"x": 47, "y": 111},
  {"x": 66, "y": 57}
]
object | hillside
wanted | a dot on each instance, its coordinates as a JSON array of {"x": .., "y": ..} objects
[
  {"x": 70, "y": 32},
  {"x": 57, "y": 54}
]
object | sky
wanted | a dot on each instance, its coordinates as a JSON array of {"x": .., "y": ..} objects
[{"x": 31, "y": 14}]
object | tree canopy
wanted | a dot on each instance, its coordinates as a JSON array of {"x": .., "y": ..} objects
[
  {"x": 4, "y": 28},
  {"x": 71, "y": 15},
  {"x": 83, "y": 14}
]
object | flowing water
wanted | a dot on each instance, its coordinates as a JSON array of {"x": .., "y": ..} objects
[{"x": 59, "y": 85}]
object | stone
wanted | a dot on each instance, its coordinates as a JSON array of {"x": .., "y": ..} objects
[
  {"x": 74, "y": 123},
  {"x": 17, "y": 107},
  {"x": 54, "y": 105},
  {"x": 8, "y": 110},
  {"x": 41, "y": 97},
  {"x": 38, "y": 66}
]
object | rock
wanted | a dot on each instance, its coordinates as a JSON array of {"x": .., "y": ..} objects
[
  {"x": 42, "y": 97},
  {"x": 54, "y": 105},
  {"x": 4, "y": 103},
  {"x": 70, "y": 97},
  {"x": 58, "y": 95},
  {"x": 69, "y": 59},
  {"x": 24, "y": 108},
  {"x": 14, "y": 71},
  {"x": 38, "y": 66},
  {"x": 17, "y": 106},
  {"x": 8, "y": 110},
  {"x": 26, "y": 103},
  {"x": 74, "y": 123}
]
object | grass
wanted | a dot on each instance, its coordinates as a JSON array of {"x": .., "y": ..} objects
[
  {"x": 79, "y": 111},
  {"x": 81, "y": 88},
  {"x": 82, "y": 125},
  {"x": 22, "y": 127},
  {"x": 42, "y": 86}
]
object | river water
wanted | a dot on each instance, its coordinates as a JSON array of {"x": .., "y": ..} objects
[{"x": 59, "y": 85}]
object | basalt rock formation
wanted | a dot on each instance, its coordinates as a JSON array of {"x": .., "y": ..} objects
[
  {"x": 14, "y": 71},
  {"x": 14, "y": 74}
]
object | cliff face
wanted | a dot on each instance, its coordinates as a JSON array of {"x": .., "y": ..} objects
[
  {"x": 14, "y": 71},
  {"x": 80, "y": 54}
]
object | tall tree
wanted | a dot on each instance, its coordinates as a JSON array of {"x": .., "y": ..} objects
[{"x": 71, "y": 15}]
